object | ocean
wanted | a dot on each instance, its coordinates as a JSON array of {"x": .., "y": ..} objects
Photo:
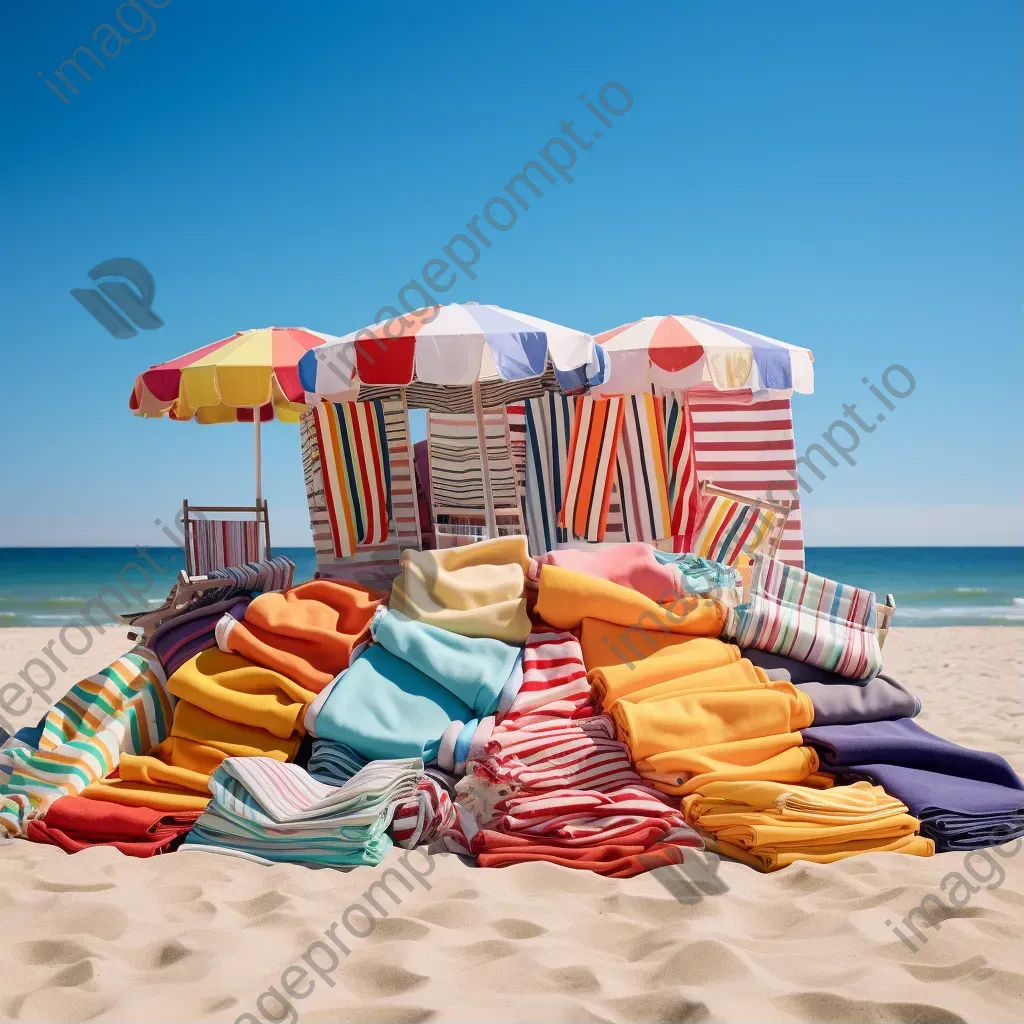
[{"x": 933, "y": 586}]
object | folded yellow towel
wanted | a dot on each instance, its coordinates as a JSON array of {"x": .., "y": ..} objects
[
  {"x": 710, "y": 717},
  {"x": 782, "y": 758},
  {"x": 236, "y": 690},
  {"x": 236, "y": 740},
  {"x": 477, "y": 590},
  {"x": 765, "y": 859},
  {"x": 151, "y": 771},
  {"x": 565, "y": 598},
  {"x": 702, "y": 664},
  {"x": 774, "y": 824}
]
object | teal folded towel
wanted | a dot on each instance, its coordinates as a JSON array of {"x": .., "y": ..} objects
[
  {"x": 383, "y": 708},
  {"x": 474, "y": 669}
]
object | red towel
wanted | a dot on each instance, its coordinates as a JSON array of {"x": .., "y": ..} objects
[
  {"x": 74, "y": 823},
  {"x": 495, "y": 850}
]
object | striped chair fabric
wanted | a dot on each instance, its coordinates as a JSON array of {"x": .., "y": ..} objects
[
  {"x": 792, "y": 612},
  {"x": 218, "y": 543},
  {"x": 458, "y": 502}
]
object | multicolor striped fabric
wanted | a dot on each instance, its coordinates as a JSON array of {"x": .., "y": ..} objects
[
  {"x": 377, "y": 564},
  {"x": 811, "y": 619},
  {"x": 279, "y": 812},
  {"x": 456, "y": 472},
  {"x": 642, "y": 470},
  {"x": 549, "y": 421},
  {"x": 125, "y": 708},
  {"x": 731, "y": 528},
  {"x": 590, "y": 468},
  {"x": 427, "y": 817},
  {"x": 683, "y": 484},
  {"x": 217, "y": 543},
  {"x": 265, "y": 575},
  {"x": 357, "y": 476},
  {"x": 747, "y": 445}
]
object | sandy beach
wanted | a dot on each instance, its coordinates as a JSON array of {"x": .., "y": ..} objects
[{"x": 196, "y": 936}]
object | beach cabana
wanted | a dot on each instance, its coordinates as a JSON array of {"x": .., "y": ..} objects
[
  {"x": 734, "y": 388},
  {"x": 464, "y": 362}
]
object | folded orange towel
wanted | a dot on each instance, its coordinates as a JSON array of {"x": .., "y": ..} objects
[
  {"x": 684, "y": 661},
  {"x": 135, "y": 794},
  {"x": 605, "y": 644},
  {"x": 306, "y": 633}
]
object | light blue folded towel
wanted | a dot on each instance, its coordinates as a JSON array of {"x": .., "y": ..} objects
[
  {"x": 474, "y": 669},
  {"x": 383, "y": 707}
]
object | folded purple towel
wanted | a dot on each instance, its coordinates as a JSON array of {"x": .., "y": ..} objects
[
  {"x": 966, "y": 799},
  {"x": 183, "y": 637}
]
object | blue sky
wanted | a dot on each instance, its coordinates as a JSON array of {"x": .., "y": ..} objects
[{"x": 844, "y": 177}]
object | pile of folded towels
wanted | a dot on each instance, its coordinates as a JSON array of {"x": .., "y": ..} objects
[{"x": 604, "y": 710}]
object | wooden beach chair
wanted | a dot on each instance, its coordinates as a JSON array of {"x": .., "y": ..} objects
[
  {"x": 219, "y": 543},
  {"x": 458, "y": 499}
]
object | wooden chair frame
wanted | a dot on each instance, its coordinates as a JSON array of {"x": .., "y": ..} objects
[
  {"x": 259, "y": 510},
  {"x": 782, "y": 511}
]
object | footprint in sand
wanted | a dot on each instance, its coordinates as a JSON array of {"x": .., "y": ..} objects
[
  {"x": 517, "y": 928},
  {"x": 829, "y": 1008}
]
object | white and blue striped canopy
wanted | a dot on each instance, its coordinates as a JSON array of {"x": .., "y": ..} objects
[{"x": 438, "y": 353}]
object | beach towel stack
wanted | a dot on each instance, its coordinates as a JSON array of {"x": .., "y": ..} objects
[
  {"x": 419, "y": 691},
  {"x": 769, "y": 825},
  {"x": 966, "y": 799},
  {"x": 122, "y": 710},
  {"x": 695, "y": 712},
  {"x": 271, "y": 811},
  {"x": 183, "y": 637},
  {"x": 552, "y": 784},
  {"x": 657, "y": 575},
  {"x": 424, "y": 818},
  {"x": 227, "y": 707}
]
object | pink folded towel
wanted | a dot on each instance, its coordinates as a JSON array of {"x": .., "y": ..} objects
[{"x": 630, "y": 565}]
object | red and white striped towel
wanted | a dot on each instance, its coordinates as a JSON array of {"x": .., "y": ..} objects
[{"x": 572, "y": 781}]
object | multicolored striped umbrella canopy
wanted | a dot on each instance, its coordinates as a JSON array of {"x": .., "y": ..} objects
[
  {"x": 437, "y": 355},
  {"x": 225, "y": 381},
  {"x": 689, "y": 352}
]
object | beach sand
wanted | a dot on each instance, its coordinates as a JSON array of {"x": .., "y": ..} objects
[{"x": 195, "y": 936}]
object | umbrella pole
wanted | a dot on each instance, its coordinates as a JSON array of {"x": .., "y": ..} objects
[
  {"x": 259, "y": 459},
  {"x": 478, "y": 408}
]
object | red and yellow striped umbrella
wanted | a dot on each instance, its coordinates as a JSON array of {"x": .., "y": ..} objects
[{"x": 226, "y": 381}]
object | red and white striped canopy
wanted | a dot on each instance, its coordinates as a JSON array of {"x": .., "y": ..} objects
[{"x": 688, "y": 352}]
